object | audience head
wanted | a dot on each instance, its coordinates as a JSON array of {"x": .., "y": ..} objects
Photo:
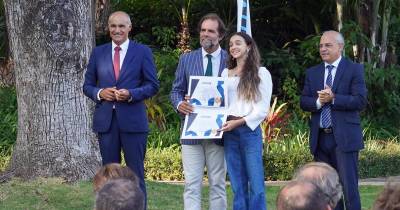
[
  {"x": 301, "y": 195},
  {"x": 120, "y": 194},
  {"x": 113, "y": 171},
  {"x": 325, "y": 177},
  {"x": 389, "y": 198}
]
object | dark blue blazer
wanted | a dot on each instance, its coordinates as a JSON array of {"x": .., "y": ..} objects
[
  {"x": 138, "y": 75},
  {"x": 350, "y": 98}
]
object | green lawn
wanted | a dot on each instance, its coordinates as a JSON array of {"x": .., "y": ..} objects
[{"x": 54, "y": 194}]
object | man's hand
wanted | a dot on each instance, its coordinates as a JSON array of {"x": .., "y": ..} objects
[
  {"x": 232, "y": 124},
  {"x": 185, "y": 107},
  {"x": 326, "y": 95},
  {"x": 108, "y": 94},
  {"x": 122, "y": 95}
]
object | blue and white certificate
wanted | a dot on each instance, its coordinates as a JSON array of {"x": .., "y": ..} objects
[
  {"x": 208, "y": 95},
  {"x": 207, "y": 91}
]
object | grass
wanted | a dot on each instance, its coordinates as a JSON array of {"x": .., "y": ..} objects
[{"x": 55, "y": 194}]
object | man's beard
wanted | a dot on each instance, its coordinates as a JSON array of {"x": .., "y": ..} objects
[{"x": 207, "y": 44}]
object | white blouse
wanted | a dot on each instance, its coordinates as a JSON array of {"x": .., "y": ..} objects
[{"x": 252, "y": 112}]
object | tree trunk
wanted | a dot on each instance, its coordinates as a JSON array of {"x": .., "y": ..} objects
[
  {"x": 374, "y": 21},
  {"x": 339, "y": 14},
  {"x": 385, "y": 28},
  {"x": 50, "y": 42},
  {"x": 103, "y": 10}
]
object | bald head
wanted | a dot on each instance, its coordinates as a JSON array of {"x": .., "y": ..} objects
[
  {"x": 120, "y": 14},
  {"x": 325, "y": 177},
  {"x": 301, "y": 195},
  {"x": 119, "y": 25},
  {"x": 336, "y": 35}
]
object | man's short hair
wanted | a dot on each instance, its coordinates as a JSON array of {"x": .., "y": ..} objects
[
  {"x": 119, "y": 194},
  {"x": 325, "y": 177},
  {"x": 338, "y": 36},
  {"x": 113, "y": 171},
  {"x": 213, "y": 16},
  {"x": 389, "y": 198},
  {"x": 301, "y": 195}
]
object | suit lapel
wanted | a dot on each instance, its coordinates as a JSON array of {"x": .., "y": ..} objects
[
  {"x": 222, "y": 62},
  {"x": 128, "y": 57},
  {"x": 339, "y": 73},
  {"x": 321, "y": 77},
  {"x": 198, "y": 66},
  {"x": 109, "y": 60}
]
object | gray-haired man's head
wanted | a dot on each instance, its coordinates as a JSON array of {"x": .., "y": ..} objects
[{"x": 325, "y": 177}]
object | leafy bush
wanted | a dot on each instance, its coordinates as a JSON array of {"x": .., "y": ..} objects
[
  {"x": 283, "y": 157},
  {"x": 163, "y": 163},
  {"x": 163, "y": 139},
  {"x": 383, "y": 96},
  {"x": 160, "y": 110},
  {"x": 8, "y": 119},
  {"x": 380, "y": 159}
]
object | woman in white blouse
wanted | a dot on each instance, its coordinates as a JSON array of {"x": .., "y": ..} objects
[{"x": 249, "y": 96}]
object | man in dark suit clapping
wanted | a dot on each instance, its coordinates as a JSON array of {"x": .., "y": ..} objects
[{"x": 335, "y": 92}]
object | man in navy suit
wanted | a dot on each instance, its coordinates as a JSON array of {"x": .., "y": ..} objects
[
  {"x": 209, "y": 60},
  {"x": 335, "y": 92},
  {"x": 119, "y": 77}
]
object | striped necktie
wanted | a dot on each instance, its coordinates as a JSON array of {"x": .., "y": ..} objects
[{"x": 326, "y": 119}]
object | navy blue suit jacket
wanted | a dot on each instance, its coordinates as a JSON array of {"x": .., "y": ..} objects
[
  {"x": 350, "y": 98},
  {"x": 137, "y": 74}
]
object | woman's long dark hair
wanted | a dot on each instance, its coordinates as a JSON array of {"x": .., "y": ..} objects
[{"x": 249, "y": 79}]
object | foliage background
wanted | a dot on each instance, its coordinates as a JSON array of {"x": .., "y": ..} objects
[{"x": 287, "y": 33}]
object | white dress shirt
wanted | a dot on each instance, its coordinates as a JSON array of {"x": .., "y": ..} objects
[
  {"x": 252, "y": 112},
  {"x": 335, "y": 64},
  {"x": 124, "y": 48},
  {"x": 215, "y": 60}
]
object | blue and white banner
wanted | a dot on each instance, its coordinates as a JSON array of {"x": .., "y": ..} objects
[{"x": 243, "y": 14}]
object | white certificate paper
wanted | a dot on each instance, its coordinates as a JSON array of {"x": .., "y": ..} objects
[
  {"x": 207, "y": 91},
  {"x": 208, "y": 95}
]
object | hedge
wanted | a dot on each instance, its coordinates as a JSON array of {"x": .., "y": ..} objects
[{"x": 379, "y": 159}]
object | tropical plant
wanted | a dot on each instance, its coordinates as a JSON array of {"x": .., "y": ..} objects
[{"x": 275, "y": 121}]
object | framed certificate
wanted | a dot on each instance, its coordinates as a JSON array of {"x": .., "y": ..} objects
[
  {"x": 208, "y": 95},
  {"x": 208, "y": 91}
]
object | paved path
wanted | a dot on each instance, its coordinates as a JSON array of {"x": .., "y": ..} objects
[{"x": 370, "y": 181}]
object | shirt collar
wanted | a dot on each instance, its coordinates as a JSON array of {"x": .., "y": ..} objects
[
  {"x": 123, "y": 46},
  {"x": 214, "y": 54},
  {"x": 335, "y": 63}
]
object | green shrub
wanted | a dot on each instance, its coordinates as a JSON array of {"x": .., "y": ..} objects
[
  {"x": 163, "y": 163},
  {"x": 384, "y": 96},
  {"x": 283, "y": 157},
  {"x": 379, "y": 159},
  {"x": 5, "y": 157},
  {"x": 8, "y": 119},
  {"x": 162, "y": 139}
]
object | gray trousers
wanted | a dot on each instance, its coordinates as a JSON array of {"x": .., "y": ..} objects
[{"x": 194, "y": 158}]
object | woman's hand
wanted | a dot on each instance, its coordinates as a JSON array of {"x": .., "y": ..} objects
[{"x": 232, "y": 124}]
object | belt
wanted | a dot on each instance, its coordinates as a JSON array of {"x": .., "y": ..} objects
[
  {"x": 326, "y": 130},
  {"x": 231, "y": 117}
]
